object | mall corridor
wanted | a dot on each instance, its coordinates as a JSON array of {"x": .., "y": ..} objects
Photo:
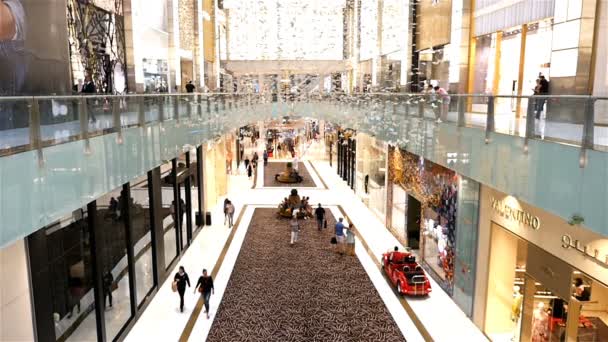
[
  {"x": 266, "y": 289},
  {"x": 329, "y": 170}
]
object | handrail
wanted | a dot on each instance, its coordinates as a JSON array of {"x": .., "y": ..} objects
[{"x": 353, "y": 108}]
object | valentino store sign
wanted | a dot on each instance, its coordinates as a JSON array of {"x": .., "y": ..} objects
[{"x": 514, "y": 214}]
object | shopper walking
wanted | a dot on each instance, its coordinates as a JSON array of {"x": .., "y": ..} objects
[
  {"x": 205, "y": 287},
  {"x": 226, "y": 201},
  {"x": 265, "y": 156},
  {"x": 190, "y": 87},
  {"x": 339, "y": 231},
  {"x": 108, "y": 281},
  {"x": 255, "y": 160},
  {"x": 230, "y": 213},
  {"x": 320, "y": 215},
  {"x": 350, "y": 240},
  {"x": 295, "y": 228},
  {"x": 249, "y": 171},
  {"x": 180, "y": 281},
  {"x": 247, "y": 163}
]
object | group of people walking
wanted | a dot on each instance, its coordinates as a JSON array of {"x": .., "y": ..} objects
[
  {"x": 204, "y": 286},
  {"x": 343, "y": 239},
  {"x": 251, "y": 164}
]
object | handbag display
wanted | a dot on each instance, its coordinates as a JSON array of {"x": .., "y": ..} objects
[
  {"x": 174, "y": 286},
  {"x": 333, "y": 241}
]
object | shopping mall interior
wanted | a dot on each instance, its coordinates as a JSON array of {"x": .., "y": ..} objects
[{"x": 303, "y": 170}]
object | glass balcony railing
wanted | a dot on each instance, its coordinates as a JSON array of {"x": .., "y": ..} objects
[
  {"x": 33, "y": 123},
  {"x": 557, "y": 162}
]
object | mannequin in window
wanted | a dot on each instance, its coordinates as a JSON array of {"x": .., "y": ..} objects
[
  {"x": 540, "y": 324},
  {"x": 516, "y": 306},
  {"x": 516, "y": 312}
]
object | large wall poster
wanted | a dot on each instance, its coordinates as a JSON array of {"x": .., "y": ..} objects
[{"x": 34, "y": 57}]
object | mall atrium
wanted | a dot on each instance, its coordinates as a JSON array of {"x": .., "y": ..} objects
[{"x": 303, "y": 170}]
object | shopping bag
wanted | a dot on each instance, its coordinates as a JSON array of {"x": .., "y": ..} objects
[
  {"x": 333, "y": 241},
  {"x": 174, "y": 286},
  {"x": 114, "y": 286}
]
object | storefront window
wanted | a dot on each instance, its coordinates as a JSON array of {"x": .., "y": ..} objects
[
  {"x": 399, "y": 214},
  {"x": 142, "y": 245},
  {"x": 440, "y": 230},
  {"x": 508, "y": 255},
  {"x": 112, "y": 209},
  {"x": 70, "y": 276},
  {"x": 430, "y": 204},
  {"x": 371, "y": 172}
]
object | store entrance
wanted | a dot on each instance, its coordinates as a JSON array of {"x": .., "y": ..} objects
[
  {"x": 414, "y": 209},
  {"x": 535, "y": 296}
]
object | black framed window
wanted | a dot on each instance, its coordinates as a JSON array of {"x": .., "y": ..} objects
[
  {"x": 61, "y": 266},
  {"x": 141, "y": 227},
  {"x": 168, "y": 212},
  {"x": 112, "y": 216}
]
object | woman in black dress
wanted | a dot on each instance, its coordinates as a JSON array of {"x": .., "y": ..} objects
[{"x": 180, "y": 280}]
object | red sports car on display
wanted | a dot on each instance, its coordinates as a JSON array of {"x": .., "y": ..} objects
[{"x": 406, "y": 274}]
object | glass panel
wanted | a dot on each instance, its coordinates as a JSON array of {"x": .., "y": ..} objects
[
  {"x": 466, "y": 243},
  {"x": 14, "y": 125},
  {"x": 142, "y": 244},
  {"x": 111, "y": 209},
  {"x": 71, "y": 277},
  {"x": 129, "y": 111},
  {"x": 167, "y": 213},
  {"x": 193, "y": 188},
  {"x": 100, "y": 115},
  {"x": 59, "y": 120}
]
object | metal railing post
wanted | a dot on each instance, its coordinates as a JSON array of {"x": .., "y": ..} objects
[
  {"x": 83, "y": 116},
  {"x": 421, "y": 106},
  {"x": 161, "y": 109},
  {"x": 529, "y": 123},
  {"x": 176, "y": 99},
  {"x": 490, "y": 118},
  {"x": 141, "y": 113},
  {"x": 189, "y": 106},
  {"x": 461, "y": 106},
  {"x": 407, "y": 107},
  {"x": 116, "y": 119},
  {"x": 35, "y": 130},
  {"x": 199, "y": 107},
  {"x": 587, "y": 140}
]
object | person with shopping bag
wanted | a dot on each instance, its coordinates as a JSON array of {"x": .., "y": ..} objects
[
  {"x": 179, "y": 284},
  {"x": 205, "y": 288}
]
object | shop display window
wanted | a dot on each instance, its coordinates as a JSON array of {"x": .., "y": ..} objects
[
  {"x": 112, "y": 211},
  {"x": 430, "y": 213},
  {"x": 142, "y": 245},
  {"x": 520, "y": 307},
  {"x": 70, "y": 275},
  {"x": 371, "y": 172}
]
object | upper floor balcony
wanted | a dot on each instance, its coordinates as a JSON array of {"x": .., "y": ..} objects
[{"x": 58, "y": 153}]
